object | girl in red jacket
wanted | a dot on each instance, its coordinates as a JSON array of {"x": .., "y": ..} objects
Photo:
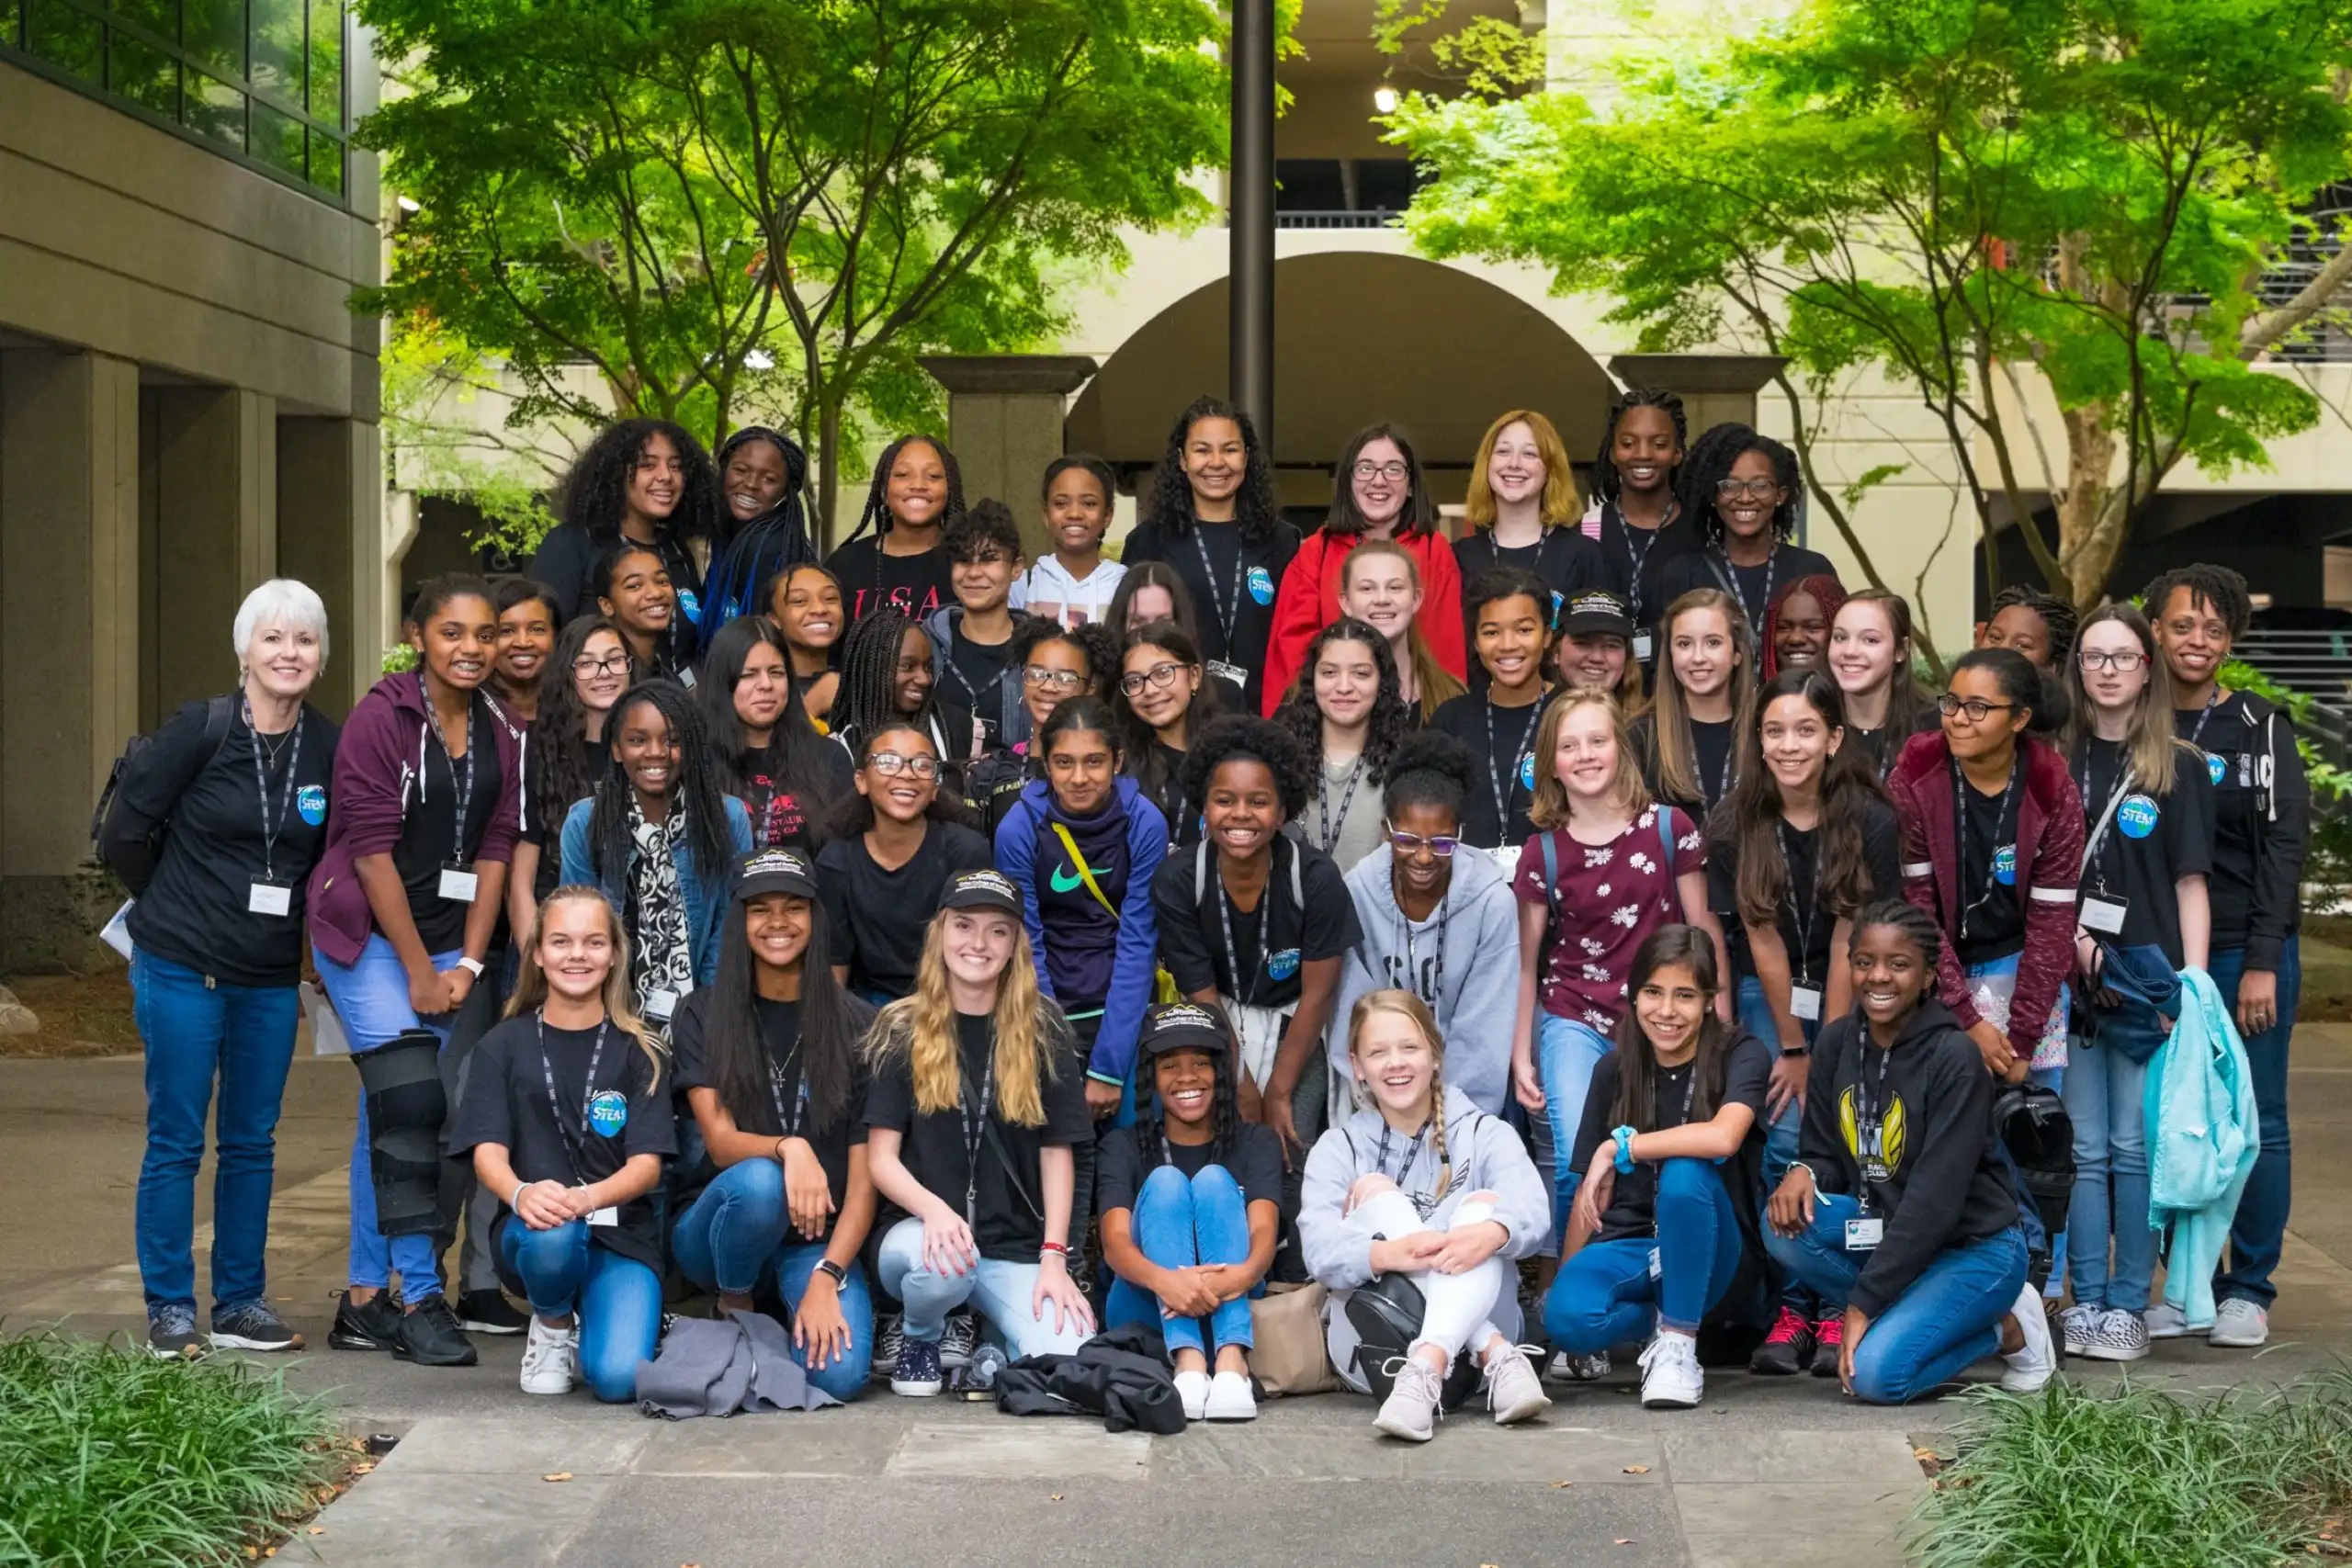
[{"x": 1377, "y": 493}]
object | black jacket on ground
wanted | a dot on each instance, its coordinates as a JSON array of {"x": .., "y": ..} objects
[{"x": 1121, "y": 1375}]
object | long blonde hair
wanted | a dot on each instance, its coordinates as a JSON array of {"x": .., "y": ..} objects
[
  {"x": 1409, "y": 1007},
  {"x": 1029, "y": 1033},
  {"x": 1561, "y": 505},
  {"x": 619, "y": 995},
  {"x": 1628, "y": 793},
  {"x": 2150, "y": 746},
  {"x": 1678, "y": 763},
  {"x": 1434, "y": 681}
]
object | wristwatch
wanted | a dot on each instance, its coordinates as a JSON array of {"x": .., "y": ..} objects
[
  {"x": 832, "y": 1270},
  {"x": 1787, "y": 1052},
  {"x": 473, "y": 967}
]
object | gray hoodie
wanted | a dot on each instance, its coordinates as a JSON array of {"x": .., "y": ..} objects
[{"x": 1477, "y": 989}]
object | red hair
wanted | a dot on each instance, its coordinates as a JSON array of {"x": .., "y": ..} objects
[{"x": 1826, "y": 592}]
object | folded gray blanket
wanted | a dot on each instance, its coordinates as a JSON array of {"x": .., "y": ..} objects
[{"x": 741, "y": 1361}]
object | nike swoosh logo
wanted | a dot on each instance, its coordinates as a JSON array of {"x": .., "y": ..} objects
[{"x": 1066, "y": 880}]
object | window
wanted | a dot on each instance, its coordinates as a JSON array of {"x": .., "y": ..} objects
[{"x": 260, "y": 80}]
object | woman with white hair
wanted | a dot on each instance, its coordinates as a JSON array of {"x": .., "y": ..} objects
[{"x": 214, "y": 826}]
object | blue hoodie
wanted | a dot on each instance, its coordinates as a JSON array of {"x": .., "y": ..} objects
[{"x": 1087, "y": 954}]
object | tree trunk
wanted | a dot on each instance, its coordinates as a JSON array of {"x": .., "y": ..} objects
[
  {"x": 2090, "y": 532},
  {"x": 829, "y": 460}
]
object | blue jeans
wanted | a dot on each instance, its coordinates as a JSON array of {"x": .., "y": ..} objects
[
  {"x": 999, "y": 1290},
  {"x": 1179, "y": 1222},
  {"x": 1566, "y": 1050},
  {"x": 1757, "y": 1017},
  {"x": 371, "y": 998},
  {"x": 1949, "y": 1317},
  {"x": 618, "y": 1299},
  {"x": 736, "y": 1232},
  {"x": 2104, "y": 1090},
  {"x": 196, "y": 1030},
  {"x": 1605, "y": 1295},
  {"x": 2260, "y": 1228}
]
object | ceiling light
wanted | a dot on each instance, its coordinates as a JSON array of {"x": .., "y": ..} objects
[{"x": 1384, "y": 99}]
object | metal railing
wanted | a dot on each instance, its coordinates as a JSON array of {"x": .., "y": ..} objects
[
  {"x": 1378, "y": 217},
  {"x": 2317, "y": 664}
]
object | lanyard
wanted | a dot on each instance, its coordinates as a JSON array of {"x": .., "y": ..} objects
[
  {"x": 2197, "y": 736},
  {"x": 1960, "y": 837},
  {"x": 1412, "y": 1154},
  {"x": 270, "y": 830},
  {"x": 791, "y": 1124},
  {"x": 1265, "y": 920},
  {"x": 1228, "y": 617},
  {"x": 1412, "y": 961},
  {"x": 1803, "y": 914},
  {"x": 1869, "y": 1118},
  {"x": 1327, "y": 837},
  {"x": 463, "y": 786},
  {"x": 1495, "y": 778},
  {"x": 1772, "y": 565},
  {"x": 1690, "y": 1088},
  {"x": 574, "y": 1142},
  {"x": 947, "y": 663},
  {"x": 975, "y": 1129},
  {"x": 2097, "y": 839},
  {"x": 1722, "y": 781},
  {"x": 1639, "y": 558}
]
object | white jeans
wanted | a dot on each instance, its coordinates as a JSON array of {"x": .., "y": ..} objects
[{"x": 1458, "y": 1310}]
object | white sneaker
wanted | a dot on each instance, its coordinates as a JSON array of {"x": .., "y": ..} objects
[
  {"x": 1670, "y": 1376},
  {"x": 2118, "y": 1335},
  {"x": 1229, "y": 1398},
  {"x": 2239, "y": 1324},
  {"x": 550, "y": 1358},
  {"x": 1193, "y": 1392},
  {"x": 1411, "y": 1410},
  {"x": 2036, "y": 1362},
  {"x": 1513, "y": 1391},
  {"x": 2075, "y": 1326},
  {"x": 2164, "y": 1321}
]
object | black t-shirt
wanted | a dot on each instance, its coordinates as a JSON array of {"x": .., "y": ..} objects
[
  {"x": 1502, "y": 749},
  {"x": 1710, "y": 751},
  {"x": 1563, "y": 560},
  {"x": 784, "y": 819},
  {"x": 914, "y": 585},
  {"x": 1191, "y": 936},
  {"x": 1632, "y": 559},
  {"x": 878, "y": 916},
  {"x": 2149, "y": 843},
  {"x": 432, "y": 838},
  {"x": 580, "y": 1137},
  {"x": 782, "y": 1113},
  {"x": 1753, "y": 586},
  {"x": 939, "y": 1145},
  {"x": 1633, "y": 1203},
  {"x": 1807, "y": 940},
  {"x": 976, "y": 673},
  {"x": 1992, "y": 922},
  {"x": 196, "y": 910},
  {"x": 1232, "y": 586},
  {"x": 547, "y": 832},
  {"x": 1255, "y": 1163}
]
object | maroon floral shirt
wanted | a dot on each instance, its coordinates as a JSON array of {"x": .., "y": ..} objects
[{"x": 1609, "y": 898}]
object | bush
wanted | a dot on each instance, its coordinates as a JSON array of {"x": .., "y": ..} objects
[{"x": 110, "y": 1456}]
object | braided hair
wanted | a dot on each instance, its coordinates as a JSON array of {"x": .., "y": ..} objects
[
  {"x": 2217, "y": 587},
  {"x": 866, "y": 700},
  {"x": 1255, "y": 510},
  {"x": 1914, "y": 924},
  {"x": 596, "y": 492},
  {"x": 559, "y": 757},
  {"x": 1605, "y": 482},
  {"x": 697, "y": 792},
  {"x": 1225, "y": 1101},
  {"x": 1391, "y": 720},
  {"x": 2058, "y": 615},
  {"x": 1709, "y": 464},
  {"x": 1409, "y": 1007},
  {"x": 877, "y": 512}
]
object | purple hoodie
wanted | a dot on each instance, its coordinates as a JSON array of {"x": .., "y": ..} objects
[{"x": 376, "y": 766}]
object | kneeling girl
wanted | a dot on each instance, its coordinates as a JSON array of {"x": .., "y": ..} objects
[{"x": 568, "y": 1115}]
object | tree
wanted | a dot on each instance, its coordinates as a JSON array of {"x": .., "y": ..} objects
[
  {"x": 715, "y": 202},
  {"x": 2007, "y": 207}
]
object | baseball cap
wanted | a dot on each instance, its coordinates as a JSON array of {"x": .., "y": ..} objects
[
  {"x": 1182, "y": 1026},
  {"x": 981, "y": 889},
  {"x": 1598, "y": 612},
  {"x": 772, "y": 871}
]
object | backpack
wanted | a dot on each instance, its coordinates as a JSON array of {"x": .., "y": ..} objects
[
  {"x": 220, "y": 717},
  {"x": 1552, "y": 869}
]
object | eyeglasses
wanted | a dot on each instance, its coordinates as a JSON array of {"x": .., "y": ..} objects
[
  {"x": 1382, "y": 470},
  {"x": 1160, "y": 675},
  {"x": 1442, "y": 845},
  {"x": 1060, "y": 680},
  {"x": 1975, "y": 708},
  {"x": 611, "y": 664},
  {"x": 890, "y": 764},
  {"x": 1732, "y": 490},
  {"x": 2123, "y": 660}
]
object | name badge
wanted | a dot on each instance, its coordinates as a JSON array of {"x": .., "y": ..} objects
[
  {"x": 660, "y": 1005},
  {"x": 1655, "y": 1270},
  {"x": 1863, "y": 1234},
  {"x": 1804, "y": 1002},
  {"x": 269, "y": 899},
  {"x": 1507, "y": 857},
  {"x": 1641, "y": 645},
  {"x": 457, "y": 884},
  {"x": 2104, "y": 915},
  {"x": 686, "y": 676},
  {"x": 979, "y": 739},
  {"x": 610, "y": 1215},
  {"x": 1233, "y": 672}
]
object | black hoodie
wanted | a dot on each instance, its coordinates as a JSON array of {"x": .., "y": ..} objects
[
  {"x": 2262, "y": 808},
  {"x": 1945, "y": 1184}
]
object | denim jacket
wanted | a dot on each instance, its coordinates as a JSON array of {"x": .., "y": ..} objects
[{"x": 706, "y": 906}]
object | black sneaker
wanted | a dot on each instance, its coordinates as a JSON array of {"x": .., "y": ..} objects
[
  {"x": 918, "y": 1370},
  {"x": 890, "y": 1339},
  {"x": 171, "y": 1333},
  {"x": 430, "y": 1336},
  {"x": 1788, "y": 1350},
  {"x": 372, "y": 1325},
  {"x": 489, "y": 1311},
  {"x": 957, "y": 1341},
  {"x": 250, "y": 1326}
]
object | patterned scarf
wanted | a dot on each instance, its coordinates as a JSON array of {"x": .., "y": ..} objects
[{"x": 660, "y": 960}]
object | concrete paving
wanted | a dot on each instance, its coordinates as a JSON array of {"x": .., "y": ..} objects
[{"x": 1764, "y": 1463}]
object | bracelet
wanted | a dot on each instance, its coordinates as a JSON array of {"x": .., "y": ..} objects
[
  {"x": 1052, "y": 1250},
  {"x": 514, "y": 1197},
  {"x": 1809, "y": 1175},
  {"x": 1624, "y": 1136},
  {"x": 832, "y": 1270},
  {"x": 779, "y": 1151}
]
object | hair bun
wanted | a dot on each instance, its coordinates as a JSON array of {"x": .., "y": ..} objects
[{"x": 1432, "y": 752}]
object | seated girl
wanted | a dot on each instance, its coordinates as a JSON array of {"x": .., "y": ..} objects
[
  {"x": 569, "y": 1122},
  {"x": 768, "y": 1058},
  {"x": 1672, "y": 1148},
  {"x": 1191, "y": 1198},
  {"x": 1899, "y": 1207},
  {"x": 1422, "y": 1184}
]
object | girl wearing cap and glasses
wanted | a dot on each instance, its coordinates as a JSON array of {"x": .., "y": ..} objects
[
  {"x": 976, "y": 1100},
  {"x": 1600, "y": 646},
  {"x": 775, "y": 1197},
  {"x": 1191, "y": 1198}
]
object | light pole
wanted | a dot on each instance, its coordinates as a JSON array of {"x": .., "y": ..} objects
[{"x": 1249, "y": 191}]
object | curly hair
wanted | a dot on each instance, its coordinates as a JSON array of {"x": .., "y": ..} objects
[
  {"x": 1497, "y": 583},
  {"x": 1708, "y": 463},
  {"x": 1255, "y": 510},
  {"x": 697, "y": 792},
  {"x": 559, "y": 753},
  {"x": 1224, "y": 1100},
  {"x": 1605, "y": 482},
  {"x": 596, "y": 492},
  {"x": 1419, "y": 515},
  {"x": 2223, "y": 591},
  {"x": 1246, "y": 737},
  {"x": 1749, "y": 819},
  {"x": 986, "y": 527},
  {"x": 1152, "y": 574},
  {"x": 867, "y": 696},
  {"x": 1391, "y": 718},
  {"x": 1431, "y": 768},
  {"x": 1094, "y": 644}
]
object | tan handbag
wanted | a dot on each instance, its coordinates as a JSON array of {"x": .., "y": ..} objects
[{"x": 1290, "y": 1357}]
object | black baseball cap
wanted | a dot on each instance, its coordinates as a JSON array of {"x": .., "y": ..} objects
[
  {"x": 982, "y": 889},
  {"x": 1598, "y": 612},
  {"x": 772, "y": 871},
  {"x": 1182, "y": 1026}
]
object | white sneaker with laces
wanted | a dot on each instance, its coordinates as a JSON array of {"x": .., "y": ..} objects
[
  {"x": 2033, "y": 1363},
  {"x": 1230, "y": 1398},
  {"x": 1513, "y": 1391},
  {"x": 2075, "y": 1326},
  {"x": 1411, "y": 1410},
  {"x": 1193, "y": 1392},
  {"x": 550, "y": 1358},
  {"x": 2166, "y": 1321},
  {"x": 1670, "y": 1376},
  {"x": 2239, "y": 1324},
  {"x": 2120, "y": 1336}
]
